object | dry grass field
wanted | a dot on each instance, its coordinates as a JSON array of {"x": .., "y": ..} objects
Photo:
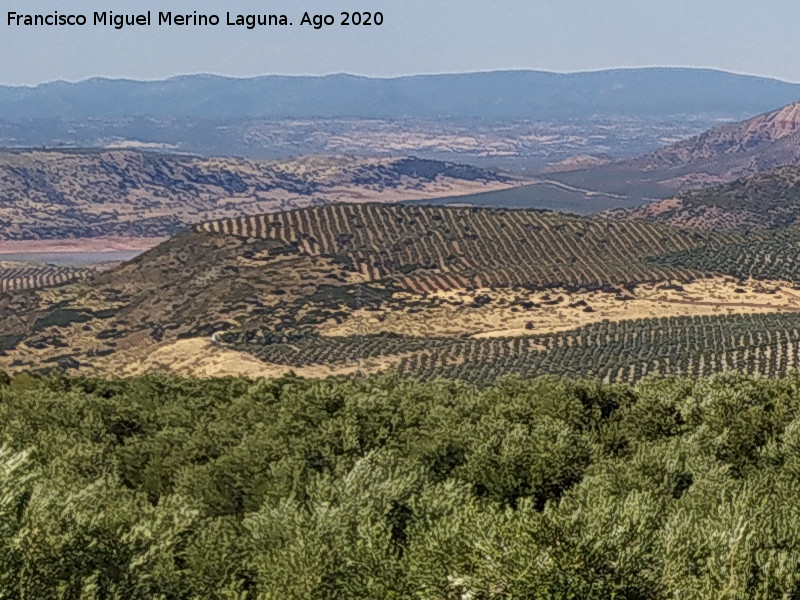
[{"x": 485, "y": 313}]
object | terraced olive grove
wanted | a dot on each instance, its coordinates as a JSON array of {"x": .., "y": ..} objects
[
  {"x": 434, "y": 248},
  {"x": 765, "y": 345},
  {"x": 426, "y": 292},
  {"x": 15, "y": 276}
]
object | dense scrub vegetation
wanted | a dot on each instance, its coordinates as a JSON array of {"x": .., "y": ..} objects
[{"x": 387, "y": 488}]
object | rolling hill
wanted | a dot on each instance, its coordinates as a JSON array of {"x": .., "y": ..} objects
[
  {"x": 54, "y": 195},
  {"x": 427, "y": 291}
]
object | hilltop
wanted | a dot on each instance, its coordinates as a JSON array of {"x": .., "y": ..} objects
[
  {"x": 428, "y": 291},
  {"x": 88, "y": 194}
]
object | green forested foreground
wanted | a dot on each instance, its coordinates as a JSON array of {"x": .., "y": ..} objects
[{"x": 389, "y": 488}]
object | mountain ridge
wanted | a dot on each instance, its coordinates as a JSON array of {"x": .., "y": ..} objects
[{"x": 487, "y": 94}]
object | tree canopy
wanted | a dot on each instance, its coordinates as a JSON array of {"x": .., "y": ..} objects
[{"x": 161, "y": 487}]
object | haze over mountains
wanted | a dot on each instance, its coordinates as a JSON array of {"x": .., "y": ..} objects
[
  {"x": 717, "y": 156},
  {"x": 739, "y": 174},
  {"x": 490, "y": 95},
  {"x": 511, "y": 119}
]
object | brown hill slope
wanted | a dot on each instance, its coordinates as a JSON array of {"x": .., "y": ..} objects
[
  {"x": 736, "y": 144},
  {"x": 719, "y": 155},
  {"x": 293, "y": 270},
  {"x": 89, "y": 194},
  {"x": 768, "y": 200}
]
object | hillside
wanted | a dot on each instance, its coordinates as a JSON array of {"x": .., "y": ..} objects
[
  {"x": 426, "y": 291},
  {"x": 88, "y": 194},
  {"x": 765, "y": 201},
  {"x": 731, "y": 151},
  {"x": 720, "y": 155}
]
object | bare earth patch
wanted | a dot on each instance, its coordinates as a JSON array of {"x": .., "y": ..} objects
[
  {"x": 200, "y": 357},
  {"x": 502, "y": 313}
]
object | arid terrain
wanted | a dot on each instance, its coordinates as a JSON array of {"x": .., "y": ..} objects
[
  {"x": 113, "y": 194},
  {"x": 337, "y": 289},
  {"x": 720, "y": 155},
  {"x": 487, "y": 312}
]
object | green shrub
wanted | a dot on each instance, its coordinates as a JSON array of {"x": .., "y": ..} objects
[{"x": 162, "y": 487}]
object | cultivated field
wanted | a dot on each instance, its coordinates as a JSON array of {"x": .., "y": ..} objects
[
  {"x": 16, "y": 276},
  {"x": 424, "y": 291},
  {"x": 427, "y": 249},
  {"x": 625, "y": 350}
]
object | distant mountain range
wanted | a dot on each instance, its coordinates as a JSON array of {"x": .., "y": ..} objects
[
  {"x": 513, "y": 120},
  {"x": 489, "y": 95}
]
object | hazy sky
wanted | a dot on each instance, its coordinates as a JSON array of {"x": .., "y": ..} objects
[{"x": 418, "y": 36}]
